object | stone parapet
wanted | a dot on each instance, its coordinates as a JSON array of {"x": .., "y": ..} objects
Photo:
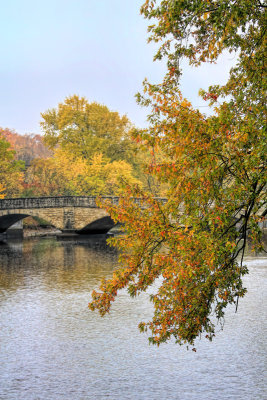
[
  {"x": 59, "y": 202},
  {"x": 80, "y": 213},
  {"x": 51, "y": 202}
]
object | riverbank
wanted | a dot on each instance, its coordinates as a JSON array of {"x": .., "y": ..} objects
[
  {"x": 40, "y": 232},
  {"x": 30, "y": 233}
]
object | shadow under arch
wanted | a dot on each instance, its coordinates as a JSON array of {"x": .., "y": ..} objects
[
  {"x": 101, "y": 225},
  {"x": 6, "y": 221},
  {"x": 98, "y": 226}
]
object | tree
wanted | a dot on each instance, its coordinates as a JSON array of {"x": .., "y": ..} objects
[
  {"x": 2, "y": 189},
  {"x": 106, "y": 178},
  {"x": 215, "y": 168},
  {"x": 85, "y": 129},
  {"x": 10, "y": 171},
  {"x": 27, "y": 147},
  {"x": 44, "y": 178},
  {"x": 96, "y": 177},
  {"x": 67, "y": 175}
]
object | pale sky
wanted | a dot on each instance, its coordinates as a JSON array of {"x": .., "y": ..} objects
[{"x": 51, "y": 49}]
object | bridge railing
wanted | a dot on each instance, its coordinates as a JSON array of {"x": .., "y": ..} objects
[
  {"x": 50, "y": 202},
  {"x": 58, "y": 202}
]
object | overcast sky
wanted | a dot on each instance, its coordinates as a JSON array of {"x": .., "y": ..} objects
[{"x": 94, "y": 48}]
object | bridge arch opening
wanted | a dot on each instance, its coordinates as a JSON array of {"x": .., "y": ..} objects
[
  {"x": 98, "y": 226},
  {"x": 101, "y": 225},
  {"x": 68, "y": 214},
  {"x": 34, "y": 221},
  {"x": 6, "y": 221}
]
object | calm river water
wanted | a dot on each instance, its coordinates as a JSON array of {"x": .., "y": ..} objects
[{"x": 53, "y": 347}]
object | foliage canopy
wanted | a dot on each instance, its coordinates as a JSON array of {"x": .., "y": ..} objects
[
  {"x": 10, "y": 170},
  {"x": 67, "y": 175},
  {"x": 27, "y": 147},
  {"x": 214, "y": 166},
  {"x": 85, "y": 129},
  {"x": 91, "y": 153}
]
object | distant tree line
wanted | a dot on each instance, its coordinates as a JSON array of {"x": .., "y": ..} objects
[{"x": 86, "y": 149}]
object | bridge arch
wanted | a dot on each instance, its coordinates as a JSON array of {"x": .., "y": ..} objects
[
  {"x": 9, "y": 219},
  {"x": 6, "y": 221},
  {"x": 101, "y": 225},
  {"x": 79, "y": 214},
  {"x": 68, "y": 214}
]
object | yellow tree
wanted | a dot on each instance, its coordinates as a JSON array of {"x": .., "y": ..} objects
[
  {"x": 2, "y": 190},
  {"x": 11, "y": 174},
  {"x": 44, "y": 178},
  {"x": 85, "y": 129},
  {"x": 65, "y": 174}
]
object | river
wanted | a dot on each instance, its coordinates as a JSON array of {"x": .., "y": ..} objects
[{"x": 54, "y": 348}]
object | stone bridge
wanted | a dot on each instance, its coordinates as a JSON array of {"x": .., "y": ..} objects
[{"x": 69, "y": 214}]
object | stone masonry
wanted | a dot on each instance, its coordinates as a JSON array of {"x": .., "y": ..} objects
[{"x": 69, "y": 214}]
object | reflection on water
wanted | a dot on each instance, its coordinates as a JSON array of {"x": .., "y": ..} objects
[
  {"x": 66, "y": 265},
  {"x": 53, "y": 347}
]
